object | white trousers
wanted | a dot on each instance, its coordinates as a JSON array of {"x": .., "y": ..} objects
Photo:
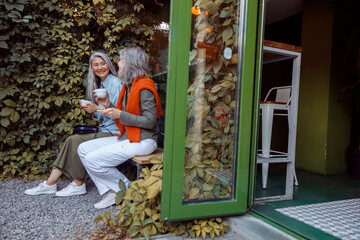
[{"x": 101, "y": 156}]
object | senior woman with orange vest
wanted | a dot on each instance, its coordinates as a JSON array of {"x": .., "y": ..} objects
[{"x": 136, "y": 115}]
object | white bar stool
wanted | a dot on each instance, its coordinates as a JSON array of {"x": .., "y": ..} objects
[{"x": 282, "y": 104}]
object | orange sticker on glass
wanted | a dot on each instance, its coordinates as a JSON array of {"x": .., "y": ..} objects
[{"x": 208, "y": 51}]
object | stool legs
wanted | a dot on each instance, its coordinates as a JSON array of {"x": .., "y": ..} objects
[
  {"x": 267, "y": 122},
  {"x": 265, "y": 171},
  {"x": 266, "y": 125}
]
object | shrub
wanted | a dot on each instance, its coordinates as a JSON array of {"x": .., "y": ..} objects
[{"x": 138, "y": 212}]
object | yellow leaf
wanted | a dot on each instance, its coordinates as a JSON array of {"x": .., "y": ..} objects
[
  {"x": 150, "y": 181},
  {"x": 153, "y": 230},
  {"x": 216, "y": 88},
  {"x": 155, "y": 160},
  {"x": 212, "y": 234},
  {"x": 148, "y": 211},
  {"x": 227, "y": 84},
  {"x": 207, "y": 187},
  {"x": 154, "y": 189},
  {"x": 137, "y": 197},
  {"x": 194, "y": 193},
  {"x": 206, "y": 229},
  {"x": 155, "y": 217},
  {"x": 145, "y": 171},
  {"x": 203, "y": 234},
  {"x": 196, "y": 227},
  {"x": 157, "y": 173}
]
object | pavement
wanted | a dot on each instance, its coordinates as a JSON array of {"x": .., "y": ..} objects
[{"x": 50, "y": 217}]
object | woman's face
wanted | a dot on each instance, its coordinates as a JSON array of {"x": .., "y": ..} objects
[
  {"x": 100, "y": 68},
  {"x": 120, "y": 63}
]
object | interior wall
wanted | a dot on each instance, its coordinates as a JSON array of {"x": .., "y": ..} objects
[
  {"x": 313, "y": 112},
  {"x": 324, "y": 111},
  {"x": 340, "y": 94}
]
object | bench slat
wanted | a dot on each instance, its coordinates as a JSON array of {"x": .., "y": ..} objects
[{"x": 145, "y": 159}]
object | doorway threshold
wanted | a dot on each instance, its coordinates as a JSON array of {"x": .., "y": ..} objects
[{"x": 319, "y": 197}]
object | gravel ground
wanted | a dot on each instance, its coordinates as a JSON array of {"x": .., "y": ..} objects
[{"x": 46, "y": 216}]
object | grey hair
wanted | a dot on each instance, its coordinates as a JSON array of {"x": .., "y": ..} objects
[
  {"x": 135, "y": 64},
  {"x": 94, "y": 81}
]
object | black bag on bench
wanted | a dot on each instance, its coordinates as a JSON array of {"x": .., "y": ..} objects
[{"x": 78, "y": 129}]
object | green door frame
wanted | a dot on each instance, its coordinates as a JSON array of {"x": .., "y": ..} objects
[{"x": 175, "y": 119}]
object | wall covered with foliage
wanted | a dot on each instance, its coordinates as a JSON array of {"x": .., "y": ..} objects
[{"x": 44, "y": 50}]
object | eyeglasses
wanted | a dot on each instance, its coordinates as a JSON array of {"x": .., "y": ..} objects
[{"x": 118, "y": 60}]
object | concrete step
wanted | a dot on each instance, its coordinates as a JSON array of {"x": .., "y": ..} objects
[{"x": 245, "y": 227}]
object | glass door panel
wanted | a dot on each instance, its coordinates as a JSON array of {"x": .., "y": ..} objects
[
  {"x": 211, "y": 94},
  {"x": 211, "y": 124}
]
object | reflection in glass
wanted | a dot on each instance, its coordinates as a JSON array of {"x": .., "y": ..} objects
[{"x": 211, "y": 108}]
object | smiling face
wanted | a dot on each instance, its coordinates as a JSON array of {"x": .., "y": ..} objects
[{"x": 100, "y": 68}]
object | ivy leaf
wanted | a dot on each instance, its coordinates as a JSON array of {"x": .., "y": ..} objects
[
  {"x": 227, "y": 22},
  {"x": 147, "y": 221},
  {"x": 154, "y": 189},
  {"x": 228, "y": 33},
  {"x": 58, "y": 101},
  {"x": 216, "y": 88},
  {"x": 19, "y": 7},
  {"x": 119, "y": 197},
  {"x": 20, "y": 58},
  {"x": 14, "y": 117},
  {"x": 192, "y": 55},
  {"x": 14, "y": 15},
  {"x": 10, "y": 103},
  {"x": 14, "y": 151},
  {"x": 217, "y": 66},
  {"x": 122, "y": 186},
  {"x": 6, "y": 111},
  {"x": 5, "y": 122},
  {"x": 224, "y": 13},
  {"x": 3, "y": 45},
  {"x": 133, "y": 231}
]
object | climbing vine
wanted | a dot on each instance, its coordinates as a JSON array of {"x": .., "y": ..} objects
[{"x": 44, "y": 50}]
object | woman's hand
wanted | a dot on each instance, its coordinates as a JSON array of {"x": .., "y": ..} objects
[
  {"x": 103, "y": 101},
  {"x": 112, "y": 113},
  {"x": 91, "y": 107}
]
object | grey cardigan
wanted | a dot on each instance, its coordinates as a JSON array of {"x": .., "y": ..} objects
[{"x": 147, "y": 120}]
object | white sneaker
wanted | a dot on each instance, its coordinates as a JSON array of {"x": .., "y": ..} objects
[
  {"x": 42, "y": 188},
  {"x": 71, "y": 190},
  {"x": 107, "y": 201}
]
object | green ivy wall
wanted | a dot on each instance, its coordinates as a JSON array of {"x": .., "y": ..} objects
[{"x": 44, "y": 50}]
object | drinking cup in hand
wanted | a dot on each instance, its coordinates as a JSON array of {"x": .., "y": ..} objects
[
  {"x": 100, "y": 92},
  {"x": 84, "y": 102}
]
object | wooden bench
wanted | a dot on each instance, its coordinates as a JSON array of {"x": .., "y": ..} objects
[{"x": 140, "y": 161}]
